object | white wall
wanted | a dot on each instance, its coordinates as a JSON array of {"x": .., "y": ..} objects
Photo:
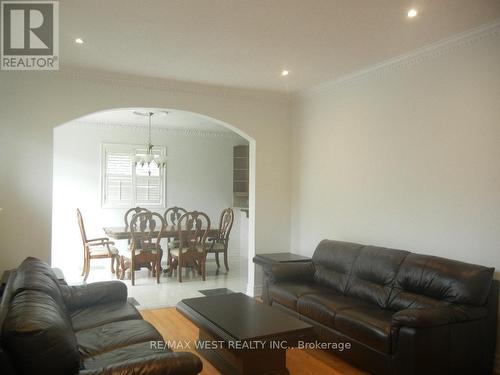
[
  {"x": 33, "y": 103},
  {"x": 407, "y": 156},
  {"x": 198, "y": 176}
]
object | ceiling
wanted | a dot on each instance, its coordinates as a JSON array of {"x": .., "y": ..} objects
[
  {"x": 247, "y": 43},
  {"x": 174, "y": 120}
]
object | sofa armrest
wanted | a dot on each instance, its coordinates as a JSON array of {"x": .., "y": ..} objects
[
  {"x": 79, "y": 296},
  {"x": 178, "y": 363},
  {"x": 438, "y": 316},
  {"x": 293, "y": 271}
]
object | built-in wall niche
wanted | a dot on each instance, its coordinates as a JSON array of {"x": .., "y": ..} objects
[{"x": 240, "y": 177}]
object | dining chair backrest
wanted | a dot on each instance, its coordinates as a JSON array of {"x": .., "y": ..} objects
[
  {"x": 130, "y": 213},
  {"x": 146, "y": 228},
  {"x": 192, "y": 230},
  {"x": 82, "y": 227},
  {"x": 173, "y": 214},
  {"x": 225, "y": 224}
]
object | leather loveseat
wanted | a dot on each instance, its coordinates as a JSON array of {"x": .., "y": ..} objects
[
  {"x": 51, "y": 328},
  {"x": 402, "y": 313}
]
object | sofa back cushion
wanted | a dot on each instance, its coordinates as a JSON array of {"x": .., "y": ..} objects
[
  {"x": 333, "y": 261},
  {"x": 33, "y": 274},
  {"x": 38, "y": 337},
  {"x": 373, "y": 274},
  {"x": 426, "y": 281}
]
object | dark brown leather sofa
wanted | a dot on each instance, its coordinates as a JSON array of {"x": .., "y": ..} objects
[
  {"x": 51, "y": 328},
  {"x": 403, "y": 313}
]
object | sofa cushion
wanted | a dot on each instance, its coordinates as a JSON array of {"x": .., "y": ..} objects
[
  {"x": 333, "y": 261},
  {"x": 401, "y": 299},
  {"x": 107, "y": 337},
  {"x": 143, "y": 361},
  {"x": 322, "y": 308},
  {"x": 373, "y": 274},
  {"x": 97, "y": 315},
  {"x": 33, "y": 274},
  {"x": 80, "y": 296},
  {"x": 368, "y": 325},
  {"x": 122, "y": 355},
  {"x": 35, "y": 325},
  {"x": 287, "y": 293},
  {"x": 441, "y": 279}
]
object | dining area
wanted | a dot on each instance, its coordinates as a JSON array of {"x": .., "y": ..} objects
[
  {"x": 167, "y": 245},
  {"x": 168, "y": 223}
]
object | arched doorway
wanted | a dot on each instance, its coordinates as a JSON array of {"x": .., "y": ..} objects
[{"x": 91, "y": 129}]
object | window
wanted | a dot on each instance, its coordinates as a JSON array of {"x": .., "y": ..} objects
[{"x": 127, "y": 185}]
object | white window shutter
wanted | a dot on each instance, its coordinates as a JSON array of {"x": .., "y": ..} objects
[
  {"x": 148, "y": 190},
  {"x": 118, "y": 178},
  {"x": 127, "y": 185},
  {"x": 118, "y": 189}
]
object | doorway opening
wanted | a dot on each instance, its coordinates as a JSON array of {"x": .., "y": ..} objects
[{"x": 204, "y": 171}]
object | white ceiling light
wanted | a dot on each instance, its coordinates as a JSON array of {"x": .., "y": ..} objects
[
  {"x": 284, "y": 73},
  {"x": 79, "y": 41},
  {"x": 149, "y": 157},
  {"x": 412, "y": 13}
]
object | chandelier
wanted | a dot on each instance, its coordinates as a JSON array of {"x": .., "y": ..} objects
[{"x": 149, "y": 157}]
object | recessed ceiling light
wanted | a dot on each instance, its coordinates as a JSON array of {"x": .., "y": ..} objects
[
  {"x": 284, "y": 73},
  {"x": 79, "y": 41},
  {"x": 412, "y": 13}
]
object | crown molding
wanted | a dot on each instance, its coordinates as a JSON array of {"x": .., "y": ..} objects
[
  {"x": 97, "y": 125},
  {"x": 173, "y": 86},
  {"x": 407, "y": 60}
]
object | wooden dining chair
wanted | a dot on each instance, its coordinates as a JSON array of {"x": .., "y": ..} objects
[
  {"x": 131, "y": 212},
  {"x": 146, "y": 228},
  {"x": 219, "y": 244},
  {"x": 172, "y": 216},
  {"x": 125, "y": 258},
  {"x": 192, "y": 232},
  {"x": 96, "y": 248}
]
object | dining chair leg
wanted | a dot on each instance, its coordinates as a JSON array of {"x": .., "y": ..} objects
[
  {"x": 196, "y": 267},
  {"x": 225, "y": 260},
  {"x": 171, "y": 267},
  {"x": 84, "y": 265},
  {"x": 122, "y": 267},
  {"x": 132, "y": 269},
  {"x": 217, "y": 259},
  {"x": 87, "y": 269},
  {"x": 179, "y": 270},
  {"x": 203, "y": 269},
  {"x": 113, "y": 264},
  {"x": 158, "y": 269},
  {"x": 117, "y": 268}
]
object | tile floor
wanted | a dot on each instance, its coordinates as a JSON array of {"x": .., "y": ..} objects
[{"x": 151, "y": 295}]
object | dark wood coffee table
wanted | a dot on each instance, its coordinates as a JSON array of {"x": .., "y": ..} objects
[{"x": 239, "y": 335}]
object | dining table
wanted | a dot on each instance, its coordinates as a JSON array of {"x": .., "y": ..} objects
[{"x": 170, "y": 231}]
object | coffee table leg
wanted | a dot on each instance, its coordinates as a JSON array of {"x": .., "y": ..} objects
[{"x": 247, "y": 362}]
